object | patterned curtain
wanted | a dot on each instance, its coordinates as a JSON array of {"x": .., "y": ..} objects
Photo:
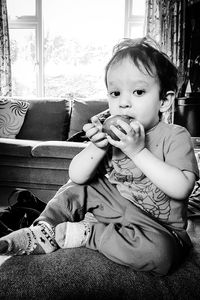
[
  {"x": 165, "y": 22},
  {"x": 5, "y": 62}
]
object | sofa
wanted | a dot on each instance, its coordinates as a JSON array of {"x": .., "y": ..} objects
[
  {"x": 36, "y": 154},
  {"x": 40, "y": 163}
]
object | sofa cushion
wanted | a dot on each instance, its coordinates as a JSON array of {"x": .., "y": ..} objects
[
  {"x": 46, "y": 119},
  {"x": 80, "y": 136},
  {"x": 82, "y": 111},
  {"x": 12, "y": 114},
  {"x": 57, "y": 149},
  {"x": 15, "y": 147}
]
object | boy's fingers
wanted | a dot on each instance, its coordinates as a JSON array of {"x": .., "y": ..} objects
[
  {"x": 117, "y": 131},
  {"x": 123, "y": 125},
  {"x": 94, "y": 119},
  {"x": 87, "y": 126},
  {"x": 137, "y": 127},
  {"x": 91, "y": 131},
  {"x": 97, "y": 137},
  {"x": 96, "y": 122}
]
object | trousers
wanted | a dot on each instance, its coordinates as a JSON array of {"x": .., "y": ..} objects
[{"x": 124, "y": 233}]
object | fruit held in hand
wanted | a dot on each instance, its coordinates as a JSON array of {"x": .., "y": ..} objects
[{"x": 112, "y": 120}]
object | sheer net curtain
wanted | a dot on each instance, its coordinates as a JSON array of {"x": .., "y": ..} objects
[
  {"x": 5, "y": 61},
  {"x": 165, "y": 22}
]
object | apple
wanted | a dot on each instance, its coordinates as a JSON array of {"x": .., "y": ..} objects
[{"x": 112, "y": 120}]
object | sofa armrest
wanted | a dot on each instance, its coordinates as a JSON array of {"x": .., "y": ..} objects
[{"x": 58, "y": 149}]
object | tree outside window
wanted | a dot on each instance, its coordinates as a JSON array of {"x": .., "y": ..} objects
[{"x": 61, "y": 47}]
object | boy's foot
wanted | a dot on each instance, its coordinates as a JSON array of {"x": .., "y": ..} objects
[
  {"x": 74, "y": 234},
  {"x": 32, "y": 240}
]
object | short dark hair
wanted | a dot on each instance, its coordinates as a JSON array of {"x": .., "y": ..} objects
[{"x": 147, "y": 52}]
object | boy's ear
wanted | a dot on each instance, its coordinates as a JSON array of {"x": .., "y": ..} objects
[{"x": 167, "y": 102}]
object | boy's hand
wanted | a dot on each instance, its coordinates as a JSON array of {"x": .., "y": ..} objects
[
  {"x": 132, "y": 141},
  {"x": 94, "y": 132}
]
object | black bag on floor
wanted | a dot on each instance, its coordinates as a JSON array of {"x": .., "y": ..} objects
[{"x": 24, "y": 207}]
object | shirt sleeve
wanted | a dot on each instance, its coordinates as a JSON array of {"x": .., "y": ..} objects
[{"x": 179, "y": 151}]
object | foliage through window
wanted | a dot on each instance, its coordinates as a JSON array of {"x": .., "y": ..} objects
[{"x": 61, "y": 47}]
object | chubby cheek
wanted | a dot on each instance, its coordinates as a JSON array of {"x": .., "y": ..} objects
[
  {"x": 148, "y": 120},
  {"x": 113, "y": 107}
]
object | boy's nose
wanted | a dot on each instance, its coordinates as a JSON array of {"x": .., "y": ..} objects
[{"x": 125, "y": 101}]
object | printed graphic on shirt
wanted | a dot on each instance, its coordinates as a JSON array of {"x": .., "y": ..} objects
[{"x": 135, "y": 186}]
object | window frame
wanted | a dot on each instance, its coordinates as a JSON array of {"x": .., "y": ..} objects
[
  {"x": 36, "y": 22},
  {"x": 131, "y": 19}
]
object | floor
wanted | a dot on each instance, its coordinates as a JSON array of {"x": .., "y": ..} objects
[
  {"x": 3, "y": 259},
  {"x": 3, "y": 205}
]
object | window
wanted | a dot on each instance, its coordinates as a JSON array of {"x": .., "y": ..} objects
[
  {"x": 61, "y": 47},
  {"x": 134, "y": 18},
  {"x": 25, "y": 29}
]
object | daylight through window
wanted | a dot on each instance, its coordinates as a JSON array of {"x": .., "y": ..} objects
[{"x": 61, "y": 47}]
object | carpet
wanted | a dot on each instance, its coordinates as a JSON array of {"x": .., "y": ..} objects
[{"x": 86, "y": 274}]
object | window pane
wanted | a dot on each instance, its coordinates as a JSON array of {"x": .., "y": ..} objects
[
  {"x": 21, "y": 8},
  {"x": 79, "y": 37},
  {"x": 138, "y": 7},
  {"x": 136, "y": 31},
  {"x": 23, "y": 58}
]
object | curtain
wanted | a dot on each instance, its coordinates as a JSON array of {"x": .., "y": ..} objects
[
  {"x": 5, "y": 62},
  {"x": 165, "y": 22}
]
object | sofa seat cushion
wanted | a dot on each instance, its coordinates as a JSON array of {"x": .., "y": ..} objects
[
  {"x": 15, "y": 147},
  {"x": 82, "y": 111},
  {"x": 57, "y": 149},
  {"x": 46, "y": 119}
]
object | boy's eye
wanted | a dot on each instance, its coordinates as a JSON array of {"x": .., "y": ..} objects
[
  {"x": 138, "y": 92},
  {"x": 115, "y": 94}
]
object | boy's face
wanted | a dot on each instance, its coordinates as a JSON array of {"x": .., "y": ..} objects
[{"x": 133, "y": 93}]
